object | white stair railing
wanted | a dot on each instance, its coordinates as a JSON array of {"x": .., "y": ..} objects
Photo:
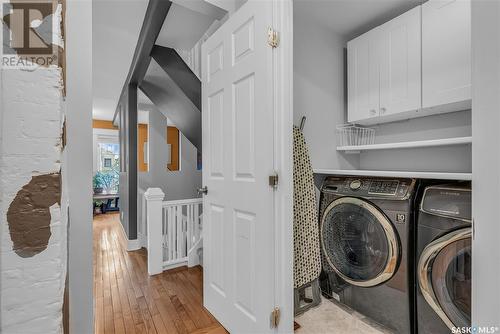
[
  {"x": 181, "y": 231},
  {"x": 174, "y": 232}
]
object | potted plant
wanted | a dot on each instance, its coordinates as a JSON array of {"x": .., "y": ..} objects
[
  {"x": 109, "y": 180},
  {"x": 97, "y": 183}
]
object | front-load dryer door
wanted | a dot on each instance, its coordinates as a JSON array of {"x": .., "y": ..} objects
[
  {"x": 359, "y": 242},
  {"x": 444, "y": 274}
]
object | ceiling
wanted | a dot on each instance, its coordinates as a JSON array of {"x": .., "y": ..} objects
[
  {"x": 351, "y": 18},
  {"x": 186, "y": 23},
  {"x": 117, "y": 24},
  {"x": 115, "y": 30}
]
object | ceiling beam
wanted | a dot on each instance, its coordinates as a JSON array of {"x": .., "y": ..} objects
[
  {"x": 175, "y": 105},
  {"x": 156, "y": 14},
  {"x": 175, "y": 67}
]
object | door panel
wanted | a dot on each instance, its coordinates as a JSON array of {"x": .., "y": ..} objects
[
  {"x": 244, "y": 114},
  {"x": 400, "y": 77},
  {"x": 215, "y": 113},
  {"x": 217, "y": 235},
  {"x": 238, "y": 157}
]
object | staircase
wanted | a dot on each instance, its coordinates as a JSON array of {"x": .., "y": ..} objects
[
  {"x": 176, "y": 92},
  {"x": 173, "y": 84}
]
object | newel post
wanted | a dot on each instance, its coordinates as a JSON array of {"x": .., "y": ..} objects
[{"x": 154, "y": 198}]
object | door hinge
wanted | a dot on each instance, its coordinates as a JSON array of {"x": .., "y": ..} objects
[
  {"x": 275, "y": 317},
  {"x": 272, "y": 38},
  {"x": 274, "y": 180}
]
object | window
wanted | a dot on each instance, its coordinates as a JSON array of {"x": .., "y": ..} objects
[{"x": 108, "y": 157}]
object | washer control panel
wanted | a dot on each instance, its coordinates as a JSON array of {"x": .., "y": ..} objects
[
  {"x": 384, "y": 187},
  {"x": 355, "y": 185},
  {"x": 369, "y": 187}
]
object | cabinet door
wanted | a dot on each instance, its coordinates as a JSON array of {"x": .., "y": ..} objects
[
  {"x": 400, "y": 76},
  {"x": 446, "y": 52},
  {"x": 363, "y": 77}
]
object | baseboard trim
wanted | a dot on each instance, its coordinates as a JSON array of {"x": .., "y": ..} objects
[
  {"x": 128, "y": 244},
  {"x": 133, "y": 245}
]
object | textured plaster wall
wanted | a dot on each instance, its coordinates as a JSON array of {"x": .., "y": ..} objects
[{"x": 32, "y": 280}]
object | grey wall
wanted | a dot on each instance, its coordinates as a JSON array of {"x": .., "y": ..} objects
[
  {"x": 319, "y": 90},
  {"x": 176, "y": 185}
]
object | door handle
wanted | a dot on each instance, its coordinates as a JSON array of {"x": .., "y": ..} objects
[
  {"x": 203, "y": 191},
  {"x": 373, "y": 111}
]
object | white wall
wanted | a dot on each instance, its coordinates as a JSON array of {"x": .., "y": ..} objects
[
  {"x": 318, "y": 61},
  {"x": 435, "y": 159},
  {"x": 32, "y": 285},
  {"x": 31, "y": 288},
  {"x": 320, "y": 95},
  {"x": 486, "y": 162}
]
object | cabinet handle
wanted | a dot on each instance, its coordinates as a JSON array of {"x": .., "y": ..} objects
[
  {"x": 383, "y": 110},
  {"x": 373, "y": 112}
]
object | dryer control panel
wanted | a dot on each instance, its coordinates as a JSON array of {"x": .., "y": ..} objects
[{"x": 369, "y": 187}]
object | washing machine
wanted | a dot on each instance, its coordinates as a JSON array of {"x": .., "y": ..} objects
[
  {"x": 444, "y": 237},
  {"x": 366, "y": 233}
]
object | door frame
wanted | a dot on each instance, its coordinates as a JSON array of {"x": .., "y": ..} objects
[
  {"x": 283, "y": 162},
  {"x": 485, "y": 162}
]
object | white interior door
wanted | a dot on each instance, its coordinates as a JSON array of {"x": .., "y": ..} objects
[{"x": 238, "y": 156}]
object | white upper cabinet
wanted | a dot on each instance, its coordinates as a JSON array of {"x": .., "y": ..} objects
[
  {"x": 400, "y": 64},
  {"x": 384, "y": 69},
  {"x": 417, "y": 64},
  {"x": 363, "y": 78},
  {"x": 446, "y": 52}
]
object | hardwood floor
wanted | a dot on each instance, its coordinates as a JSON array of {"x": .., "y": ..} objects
[{"x": 128, "y": 300}]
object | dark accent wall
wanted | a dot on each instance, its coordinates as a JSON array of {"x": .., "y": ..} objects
[
  {"x": 128, "y": 167},
  {"x": 132, "y": 160}
]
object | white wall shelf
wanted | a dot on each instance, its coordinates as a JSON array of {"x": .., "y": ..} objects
[
  {"x": 378, "y": 173},
  {"x": 408, "y": 144}
]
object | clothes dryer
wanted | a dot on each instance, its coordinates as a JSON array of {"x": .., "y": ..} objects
[{"x": 444, "y": 237}]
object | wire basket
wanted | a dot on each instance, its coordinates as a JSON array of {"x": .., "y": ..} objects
[{"x": 354, "y": 135}]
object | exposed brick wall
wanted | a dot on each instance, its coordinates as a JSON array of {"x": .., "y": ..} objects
[{"x": 32, "y": 113}]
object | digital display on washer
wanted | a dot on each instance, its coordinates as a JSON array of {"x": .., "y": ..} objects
[{"x": 383, "y": 187}]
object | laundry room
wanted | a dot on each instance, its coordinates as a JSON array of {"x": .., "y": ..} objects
[{"x": 382, "y": 100}]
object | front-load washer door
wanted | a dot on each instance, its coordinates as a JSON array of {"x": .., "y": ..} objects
[
  {"x": 359, "y": 242},
  {"x": 444, "y": 271}
]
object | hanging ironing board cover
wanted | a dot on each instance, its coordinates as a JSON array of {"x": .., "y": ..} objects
[{"x": 307, "y": 258}]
